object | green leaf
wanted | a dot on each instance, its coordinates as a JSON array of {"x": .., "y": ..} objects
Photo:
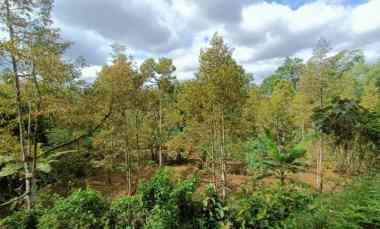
[
  {"x": 10, "y": 169},
  {"x": 44, "y": 167},
  {"x": 6, "y": 159}
]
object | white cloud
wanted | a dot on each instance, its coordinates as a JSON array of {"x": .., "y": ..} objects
[
  {"x": 366, "y": 17},
  {"x": 261, "y": 33},
  {"x": 90, "y": 73},
  {"x": 261, "y": 69}
]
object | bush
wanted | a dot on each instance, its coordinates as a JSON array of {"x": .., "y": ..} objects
[
  {"x": 156, "y": 191},
  {"x": 358, "y": 206},
  {"x": 214, "y": 212},
  {"x": 127, "y": 212},
  {"x": 163, "y": 217},
  {"x": 82, "y": 209},
  {"x": 168, "y": 204},
  {"x": 162, "y": 203},
  {"x": 21, "y": 220},
  {"x": 268, "y": 208}
]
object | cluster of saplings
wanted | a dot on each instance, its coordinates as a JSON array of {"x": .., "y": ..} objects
[{"x": 164, "y": 203}]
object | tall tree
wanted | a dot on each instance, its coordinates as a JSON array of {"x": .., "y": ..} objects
[
  {"x": 321, "y": 64},
  {"x": 226, "y": 86},
  {"x": 27, "y": 24}
]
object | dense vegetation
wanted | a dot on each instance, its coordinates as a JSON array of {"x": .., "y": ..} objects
[
  {"x": 60, "y": 135},
  {"x": 162, "y": 203}
]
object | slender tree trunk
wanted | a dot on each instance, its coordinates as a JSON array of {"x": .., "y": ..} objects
[
  {"x": 129, "y": 180},
  {"x": 160, "y": 131},
  {"x": 213, "y": 155},
  {"x": 212, "y": 167},
  {"x": 31, "y": 156},
  {"x": 320, "y": 162},
  {"x": 24, "y": 156},
  {"x": 137, "y": 135},
  {"x": 303, "y": 129},
  {"x": 127, "y": 156},
  {"x": 282, "y": 177},
  {"x": 223, "y": 159},
  {"x": 109, "y": 172},
  {"x": 35, "y": 133},
  {"x": 320, "y": 156}
]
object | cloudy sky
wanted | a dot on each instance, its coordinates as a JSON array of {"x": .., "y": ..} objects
[{"x": 262, "y": 33}]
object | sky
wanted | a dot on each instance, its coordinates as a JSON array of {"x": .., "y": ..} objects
[{"x": 261, "y": 33}]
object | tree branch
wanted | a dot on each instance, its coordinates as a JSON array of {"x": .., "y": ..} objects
[
  {"x": 88, "y": 134},
  {"x": 14, "y": 199}
]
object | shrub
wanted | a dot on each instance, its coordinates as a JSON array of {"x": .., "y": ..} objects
[
  {"x": 163, "y": 217},
  {"x": 214, "y": 212},
  {"x": 82, "y": 209},
  {"x": 181, "y": 196},
  {"x": 268, "y": 208},
  {"x": 358, "y": 206},
  {"x": 168, "y": 204},
  {"x": 156, "y": 191},
  {"x": 127, "y": 212},
  {"x": 21, "y": 220}
]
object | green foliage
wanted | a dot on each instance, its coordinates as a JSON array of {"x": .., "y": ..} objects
[
  {"x": 157, "y": 190},
  {"x": 162, "y": 217},
  {"x": 10, "y": 169},
  {"x": 290, "y": 71},
  {"x": 127, "y": 212},
  {"x": 353, "y": 128},
  {"x": 170, "y": 202},
  {"x": 21, "y": 220},
  {"x": 269, "y": 84},
  {"x": 268, "y": 208},
  {"x": 345, "y": 119},
  {"x": 82, "y": 209},
  {"x": 70, "y": 167},
  {"x": 214, "y": 212},
  {"x": 358, "y": 206},
  {"x": 264, "y": 155}
]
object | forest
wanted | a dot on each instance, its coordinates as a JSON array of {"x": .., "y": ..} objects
[{"x": 139, "y": 148}]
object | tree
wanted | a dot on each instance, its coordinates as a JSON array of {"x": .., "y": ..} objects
[
  {"x": 160, "y": 74},
  {"x": 27, "y": 38},
  {"x": 355, "y": 130},
  {"x": 164, "y": 81},
  {"x": 118, "y": 84},
  {"x": 320, "y": 60},
  {"x": 226, "y": 89},
  {"x": 275, "y": 113},
  {"x": 290, "y": 71},
  {"x": 273, "y": 159}
]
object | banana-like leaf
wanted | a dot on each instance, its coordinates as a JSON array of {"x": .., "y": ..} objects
[
  {"x": 10, "y": 169},
  {"x": 6, "y": 159}
]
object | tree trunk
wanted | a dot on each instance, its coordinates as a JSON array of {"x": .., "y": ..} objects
[
  {"x": 160, "y": 131},
  {"x": 129, "y": 181},
  {"x": 320, "y": 156},
  {"x": 35, "y": 133},
  {"x": 223, "y": 160},
  {"x": 127, "y": 155},
  {"x": 320, "y": 167},
  {"x": 24, "y": 156},
  {"x": 213, "y": 156},
  {"x": 137, "y": 124}
]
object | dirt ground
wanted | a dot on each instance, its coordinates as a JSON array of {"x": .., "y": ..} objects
[{"x": 119, "y": 183}]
